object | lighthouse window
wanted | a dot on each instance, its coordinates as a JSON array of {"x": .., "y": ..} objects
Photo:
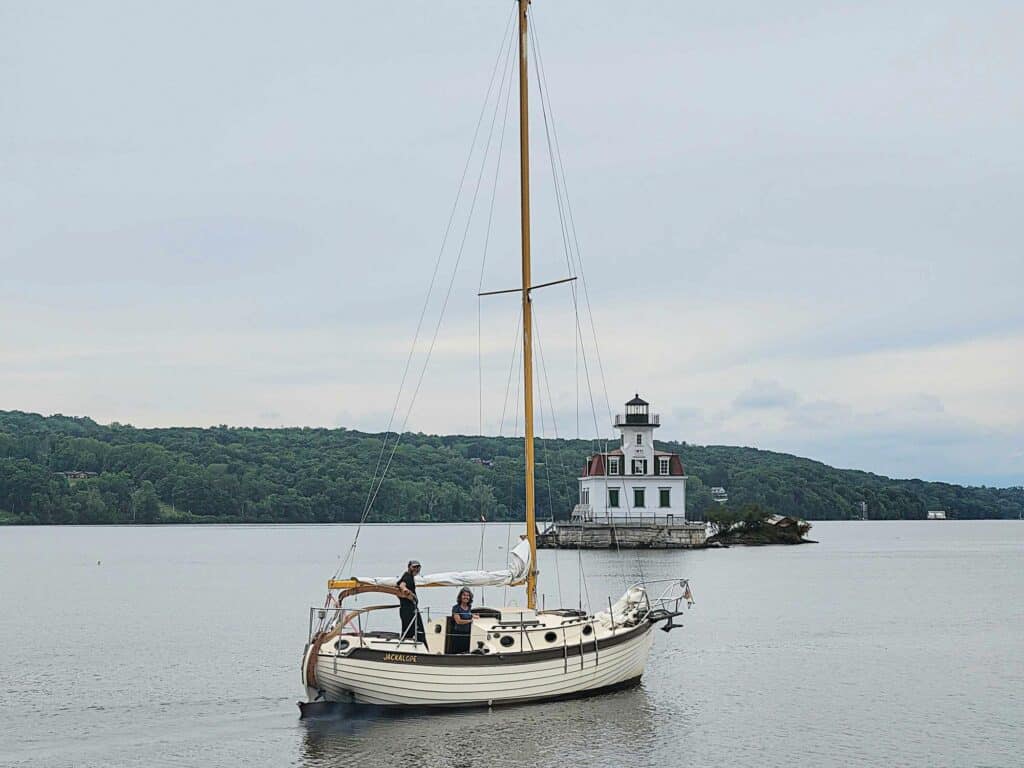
[
  {"x": 639, "y": 466},
  {"x": 639, "y": 439},
  {"x": 663, "y": 466},
  {"x": 613, "y": 466},
  {"x": 584, "y": 496},
  {"x": 638, "y": 497},
  {"x": 613, "y": 497},
  {"x": 664, "y": 497}
]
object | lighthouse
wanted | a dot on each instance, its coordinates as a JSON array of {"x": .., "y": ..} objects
[{"x": 634, "y": 482}]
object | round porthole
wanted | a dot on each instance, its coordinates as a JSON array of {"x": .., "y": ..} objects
[
  {"x": 550, "y": 637},
  {"x": 437, "y": 629},
  {"x": 508, "y": 640},
  {"x": 341, "y": 645},
  {"x": 588, "y": 630}
]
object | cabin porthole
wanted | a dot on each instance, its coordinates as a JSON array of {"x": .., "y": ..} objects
[
  {"x": 437, "y": 629},
  {"x": 588, "y": 630},
  {"x": 508, "y": 641},
  {"x": 341, "y": 645},
  {"x": 550, "y": 637}
]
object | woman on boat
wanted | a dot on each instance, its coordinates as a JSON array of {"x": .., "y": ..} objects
[{"x": 462, "y": 618}]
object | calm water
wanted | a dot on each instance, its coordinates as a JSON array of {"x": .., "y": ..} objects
[{"x": 897, "y": 644}]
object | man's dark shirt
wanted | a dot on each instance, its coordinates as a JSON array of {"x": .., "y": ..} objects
[{"x": 410, "y": 583}]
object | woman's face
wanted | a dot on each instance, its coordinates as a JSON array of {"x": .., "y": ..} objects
[{"x": 463, "y": 598}]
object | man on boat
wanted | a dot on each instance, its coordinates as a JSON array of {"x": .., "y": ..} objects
[{"x": 412, "y": 624}]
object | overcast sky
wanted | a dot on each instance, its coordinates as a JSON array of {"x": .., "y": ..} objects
[{"x": 800, "y": 223}]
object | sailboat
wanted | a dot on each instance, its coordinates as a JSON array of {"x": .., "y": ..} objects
[{"x": 516, "y": 654}]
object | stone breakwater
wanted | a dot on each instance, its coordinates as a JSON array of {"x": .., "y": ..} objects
[
  {"x": 631, "y": 535},
  {"x": 668, "y": 534}
]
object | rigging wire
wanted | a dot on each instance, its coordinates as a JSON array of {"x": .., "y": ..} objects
[
  {"x": 511, "y": 369},
  {"x": 546, "y": 98},
  {"x": 571, "y": 260},
  {"x": 512, "y": 476},
  {"x": 574, "y": 260},
  {"x": 544, "y": 447},
  {"x": 437, "y": 326},
  {"x": 371, "y": 493},
  {"x": 483, "y": 260},
  {"x": 579, "y": 346},
  {"x": 506, "y": 84}
]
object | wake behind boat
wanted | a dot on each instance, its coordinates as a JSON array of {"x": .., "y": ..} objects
[{"x": 515, "y": 655}]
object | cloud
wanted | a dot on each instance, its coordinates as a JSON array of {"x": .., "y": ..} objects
[
  {"x": 766, "y": 394},
  {"x": 829, "y": 261}
]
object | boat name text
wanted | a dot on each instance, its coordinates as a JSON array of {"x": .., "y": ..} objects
[{"x": 405, "y": 658}]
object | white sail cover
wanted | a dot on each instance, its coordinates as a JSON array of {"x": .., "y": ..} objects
[
  {"x": 624, "y": 607},
  {"x": 519, "y": 560}
]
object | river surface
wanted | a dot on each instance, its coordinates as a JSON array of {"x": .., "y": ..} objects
[{"x": 886, "y": 644}]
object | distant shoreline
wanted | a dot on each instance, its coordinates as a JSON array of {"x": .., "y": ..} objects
[{"x": 69, "y": 470}]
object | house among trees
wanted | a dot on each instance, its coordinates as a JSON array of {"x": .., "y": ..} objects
[
  {"x": 77, "y": 474},
  {"x": 719, "y": 495}
]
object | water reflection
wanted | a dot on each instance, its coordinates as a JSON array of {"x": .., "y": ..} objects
[{"x": 560, "y": 733}]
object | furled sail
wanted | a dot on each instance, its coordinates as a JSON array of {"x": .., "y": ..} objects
[{"x": 519, "y": 562}]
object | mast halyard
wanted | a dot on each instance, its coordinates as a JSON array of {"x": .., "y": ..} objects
[{"x": 524, "y": 198}]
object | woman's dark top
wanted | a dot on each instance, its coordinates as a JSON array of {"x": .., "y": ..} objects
[
  {"x": 410, "y": 583},
  {"x": 462, "y": 613}
]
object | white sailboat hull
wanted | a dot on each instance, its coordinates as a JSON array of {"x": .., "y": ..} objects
[{"x": 374, "y": 677}]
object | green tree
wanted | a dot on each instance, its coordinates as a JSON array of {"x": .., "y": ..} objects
[{"x": 145, "y": 503}]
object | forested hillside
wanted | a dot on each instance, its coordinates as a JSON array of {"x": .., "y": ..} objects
[{"x": 223, "y": 474}]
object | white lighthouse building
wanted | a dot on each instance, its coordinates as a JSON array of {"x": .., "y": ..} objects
[{"x": 634, "y": 482}]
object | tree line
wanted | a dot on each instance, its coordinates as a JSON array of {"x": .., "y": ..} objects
[{"x": 240, "y": 474}]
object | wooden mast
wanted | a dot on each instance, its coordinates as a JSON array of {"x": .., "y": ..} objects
[{"x": 524, "y": 200}]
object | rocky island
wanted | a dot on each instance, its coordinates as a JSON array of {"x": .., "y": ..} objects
[{"x": 753, "y": 527}]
